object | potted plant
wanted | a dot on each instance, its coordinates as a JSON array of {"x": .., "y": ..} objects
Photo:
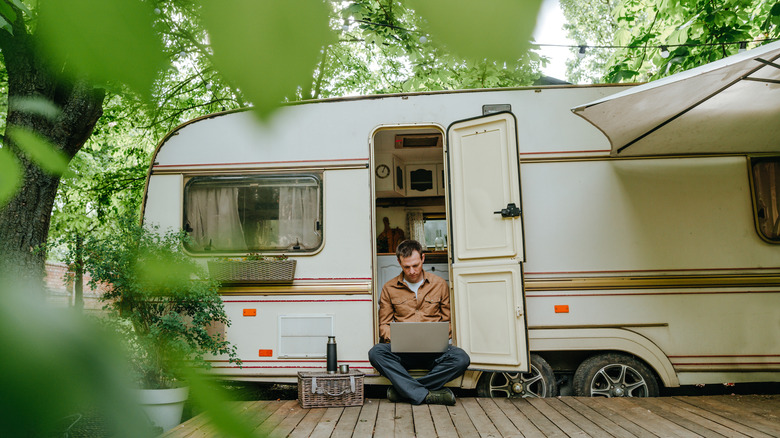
[
  {"x": 253, "y": 268},
  {"x": 163, "y": 304}
]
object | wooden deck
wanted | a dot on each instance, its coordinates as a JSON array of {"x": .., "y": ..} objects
[{"x": 703, "y": 416}]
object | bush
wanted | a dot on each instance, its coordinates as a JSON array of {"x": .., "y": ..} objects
[{"x": 161, "y": 300}]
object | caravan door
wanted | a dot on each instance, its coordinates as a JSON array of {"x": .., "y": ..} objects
[{"x": 486, "y": 241}]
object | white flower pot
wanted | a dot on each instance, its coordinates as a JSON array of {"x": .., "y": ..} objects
[{"x": 163, "y": 406}]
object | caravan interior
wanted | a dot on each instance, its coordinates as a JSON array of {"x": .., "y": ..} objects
[{"x": 409, "y": 197}]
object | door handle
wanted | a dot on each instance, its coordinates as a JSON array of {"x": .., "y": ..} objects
[{"x": 511, "y": 210}]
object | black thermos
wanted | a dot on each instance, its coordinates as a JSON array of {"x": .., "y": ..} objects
[{"x": 331, "y": 355}]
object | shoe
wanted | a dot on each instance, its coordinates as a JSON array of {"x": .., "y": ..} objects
[
  {"x": 442, "y": 396},
  {"x": 393, "y": 396}
]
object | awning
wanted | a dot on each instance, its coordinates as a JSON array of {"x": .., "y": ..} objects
[{"x": 728, "y": 106}]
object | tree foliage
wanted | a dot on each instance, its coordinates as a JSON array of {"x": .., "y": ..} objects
[{"x": 694, "y": 32}]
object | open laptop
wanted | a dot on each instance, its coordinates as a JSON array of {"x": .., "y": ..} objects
[{"x": 419, "y": 337}]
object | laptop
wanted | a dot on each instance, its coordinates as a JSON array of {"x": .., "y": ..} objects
[{"x": 419, "y": 337}]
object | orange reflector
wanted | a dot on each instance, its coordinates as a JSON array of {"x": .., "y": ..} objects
[
  {"x": 266, "y": 353},
  {"x": 562, "y": 308},
  {"x": 250, "y": 312}
]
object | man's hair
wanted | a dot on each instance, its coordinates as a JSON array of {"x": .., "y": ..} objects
[{"x": 407, "y": 247}]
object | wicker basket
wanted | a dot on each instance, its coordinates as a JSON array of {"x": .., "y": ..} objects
[
  {"x": 322, "y": 390},
  {"x": 248, "y": 271}
]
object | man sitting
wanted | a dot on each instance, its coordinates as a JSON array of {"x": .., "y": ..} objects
[{"x": 416, "y": 295}]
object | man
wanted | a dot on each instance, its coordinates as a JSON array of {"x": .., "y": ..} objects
[{"x": 416, "y": 295}]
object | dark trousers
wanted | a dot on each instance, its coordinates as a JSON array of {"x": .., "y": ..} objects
[{"x": 444, "y": 367}]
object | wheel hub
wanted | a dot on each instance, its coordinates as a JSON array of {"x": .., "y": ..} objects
[
  {"x": 619, "y": 391},
  {"x": 517, "y": 388}
]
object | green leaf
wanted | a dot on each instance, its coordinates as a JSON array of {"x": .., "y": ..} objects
[
  {"x": 622, "y": 37},
  {"x": 109, "y": 41},
  {"x": 267, "y": 49},
  {"x": 21, "y": 6},
  {"x": 6, "y": 25},
  {"x": 498, "y": 30},
  {"x": 7, "y": 11},
  {"x": 10, "y": 175},
  {"x": 39, "y": 150}
]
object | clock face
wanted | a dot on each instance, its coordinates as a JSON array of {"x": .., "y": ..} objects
[{"x": 382, "y": 171}]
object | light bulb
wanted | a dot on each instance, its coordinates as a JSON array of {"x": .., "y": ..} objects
[
  {"x": 581, "y": 53},
  {"x": 423, "y": 39},
  {"x": 742, "y": 46},
  {"x": 664, "y": 52}
]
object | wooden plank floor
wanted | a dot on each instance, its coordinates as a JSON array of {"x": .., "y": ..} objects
[{"x": 755, "y": 416}]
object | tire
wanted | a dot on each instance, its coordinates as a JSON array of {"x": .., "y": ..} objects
[
  {"x": 614, "y": 375},
  {"x": 540, "y": 382}
]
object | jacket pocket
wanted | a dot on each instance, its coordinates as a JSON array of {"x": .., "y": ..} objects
[
  {"x": 430, "y": 307},
  {"x": 403, "y": 307}
]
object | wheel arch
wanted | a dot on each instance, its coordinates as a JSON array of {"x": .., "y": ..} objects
[{"x": 606, "y": 340}]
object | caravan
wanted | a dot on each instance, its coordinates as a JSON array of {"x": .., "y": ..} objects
[{"x": 571, "y": 262}]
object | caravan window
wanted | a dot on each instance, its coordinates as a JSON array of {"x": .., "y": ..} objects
[
  {"x": 766, "y": 189},
  {"x": 258, "y": 213}
]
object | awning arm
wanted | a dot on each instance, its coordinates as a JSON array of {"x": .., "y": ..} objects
[{"x": 769, "y": 81}]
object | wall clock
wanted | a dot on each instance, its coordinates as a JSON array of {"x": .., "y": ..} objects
[{"x": 382, "y": 171}]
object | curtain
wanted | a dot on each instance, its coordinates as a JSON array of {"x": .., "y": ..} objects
[
  {"x": 766, "y": 179},
  {"x": 416, "y": 224},
  {"x": 299, "y": 211},
  {"x": 212, "y": 213}
]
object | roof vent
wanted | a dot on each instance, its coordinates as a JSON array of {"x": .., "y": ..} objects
[{"x": 404, "y": 141}]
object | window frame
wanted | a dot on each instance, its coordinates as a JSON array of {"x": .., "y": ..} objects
[
  {"x": 317, "y": 176},
  {"x": 752, "y": 162}
]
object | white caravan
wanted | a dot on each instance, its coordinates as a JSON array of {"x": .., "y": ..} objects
[{"x": 569, "y": 261}]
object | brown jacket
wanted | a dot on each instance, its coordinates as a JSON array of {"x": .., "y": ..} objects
[{"x": 397, "y": 303}]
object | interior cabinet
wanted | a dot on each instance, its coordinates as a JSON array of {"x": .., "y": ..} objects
[
  {"x": 389, "y": 172},
  {"x": 440, "y": 179},
  {"x": 421, "y": 180}
]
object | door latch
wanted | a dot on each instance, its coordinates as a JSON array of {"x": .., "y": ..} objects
[{"x": 511, "y": 210}]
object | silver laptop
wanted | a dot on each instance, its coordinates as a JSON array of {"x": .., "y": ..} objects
[{"x": 419, "y": 337}]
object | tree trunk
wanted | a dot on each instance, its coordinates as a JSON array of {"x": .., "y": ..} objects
[{"x": 24, "y": 221}]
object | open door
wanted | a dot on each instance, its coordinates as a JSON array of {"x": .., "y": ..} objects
[{"x": 487, "y": 242}]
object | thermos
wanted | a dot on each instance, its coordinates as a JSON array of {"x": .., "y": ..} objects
[{"x": 331, "y": 355}]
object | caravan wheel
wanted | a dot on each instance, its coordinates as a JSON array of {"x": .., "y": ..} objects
[
  {"x": 540, "y": 382},
  {"x": 614, "y": 375}
]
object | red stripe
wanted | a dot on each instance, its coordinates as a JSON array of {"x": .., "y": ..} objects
[
  {"x": 534, "y": 295},
  {"x": 564, "y": 152},
  {"x": 724, "y": 363},
  {"x": 292, "y": 368},
  {"x": 650, "y": 270},
  {"x": 287, "y": 360},
  {"x": 296, "y": 301},
  {"x": 729, "y": 355},
  {"x": 259, "y": 162}
]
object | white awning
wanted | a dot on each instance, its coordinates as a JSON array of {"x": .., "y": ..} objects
[{"x": 728, "y": 106}]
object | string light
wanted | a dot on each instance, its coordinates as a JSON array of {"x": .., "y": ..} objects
[{"x": 582, "y": 48}]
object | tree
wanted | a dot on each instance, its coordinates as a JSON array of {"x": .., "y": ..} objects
[
  {"x": 692, "y": 32},
  {"x": 589, "y": 22},
  {"x": 25, "y": 218}
]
